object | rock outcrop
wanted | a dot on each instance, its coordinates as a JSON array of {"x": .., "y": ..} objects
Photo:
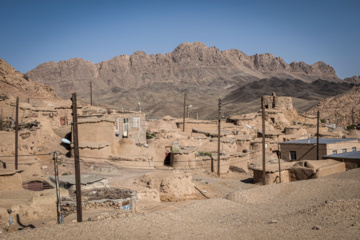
[
  {"x": 13, "y": 84},
  {"x": 354, "y": 79},
  {"x": 343, "y": 110}
]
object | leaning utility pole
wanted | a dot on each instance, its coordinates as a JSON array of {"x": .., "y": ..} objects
[
  {"x": 16, "y": 133},
  {"x": 184, "y": 112},
  {"x": 90, "y": 93},
  {"x": 218, "y": 153},
  {"x": 76, "y": 158},
  {"x": 263, "y": 139},
  {"x": 317, "y": 135}
]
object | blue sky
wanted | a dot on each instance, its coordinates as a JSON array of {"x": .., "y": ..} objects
[{"x": 38, "y": 31}]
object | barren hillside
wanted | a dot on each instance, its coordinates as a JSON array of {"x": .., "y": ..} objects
[
  {"x": 13, "y": 83},
  {"x": 343, "y": 110},
  {"x": 305, "y": 95}
]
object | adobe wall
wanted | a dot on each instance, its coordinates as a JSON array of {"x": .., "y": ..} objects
[
  {"x": 295, "y": 131},
  {"x": 275, "y": 102},
  {"x": 242, "y": 145},
  {"x": 88, "y": 150},
  {"x": 328, "y": 170},
  {"x": 225, "y": 146},
  {"x": 96, "y": 138},
  {"x": 204, "y": 162},
  {"x": 271, "y": 176},
  {"x": 183, "y": 161},
  {"x": 309, "y": 169},
  {"x": 202, "y": 126},
  {"x": 188, "y": 161},
  {"x": 96, "y": 132},
  {"x": 240, "y": 163}
]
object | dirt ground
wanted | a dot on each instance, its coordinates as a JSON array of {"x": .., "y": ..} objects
[{"x": 325, "y": 208}]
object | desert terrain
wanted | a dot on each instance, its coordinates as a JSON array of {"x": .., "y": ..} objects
[
  {"x": 326, "y": 208},
  {"x": 181, "y": 178}
]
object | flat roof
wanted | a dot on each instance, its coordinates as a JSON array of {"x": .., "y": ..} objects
[
  {"x": 349, "y": 155},
  {"x": 321, "y": 141},
  {"x": 84, "y": 179}
]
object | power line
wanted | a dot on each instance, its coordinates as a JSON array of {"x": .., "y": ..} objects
[{"x": 30, "y": 155}]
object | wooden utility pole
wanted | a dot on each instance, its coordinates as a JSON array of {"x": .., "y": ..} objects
[
  {"x": 263, "y": 139},
  {"x": 90, "y": 93},
  {"x": 219, "y": 127},
  {"x": 317, "y": 135},
  {"x": 16, "y": 133},
  {"x": 279, "y": 159},
  {"x": 56, "y": 174},
  {"x": 76, "y": 158},
  {"x": 184, "y": 112}
]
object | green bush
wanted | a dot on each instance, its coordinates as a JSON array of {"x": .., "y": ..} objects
[
  {"x": 175, "y": 150},
  {"x": 150, "y": 135},
  {"x": 205, "y": 154},
  {"x": 350, "y": 127}
]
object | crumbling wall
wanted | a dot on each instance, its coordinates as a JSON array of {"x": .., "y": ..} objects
[
  {"x": 315, "y": 169},
  {"x": 275, "y": 102},
  {"x": 271, "y": 177},
  {"x": 173, "y": 187}
]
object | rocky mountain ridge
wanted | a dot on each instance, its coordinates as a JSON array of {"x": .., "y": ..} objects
[
  {"x": 353, "y": 79},
  {"x": 160, "y": 81},
  {"x": 189, "y": 63}
]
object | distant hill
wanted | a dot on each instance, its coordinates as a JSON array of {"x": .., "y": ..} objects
[
  {"x": 354, "y": 79},
  {"x": 288, "y": 87},
  {"x": 159, "y": 81},
  {"x": 343, "y": 109},
  {"x": 15, "y": 84}
]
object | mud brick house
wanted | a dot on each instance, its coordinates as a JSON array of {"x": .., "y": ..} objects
[
  {"x": 275, "y": 102},
  {"x": 306, "y": 148},
  {"x": 99, "y": 134}
]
